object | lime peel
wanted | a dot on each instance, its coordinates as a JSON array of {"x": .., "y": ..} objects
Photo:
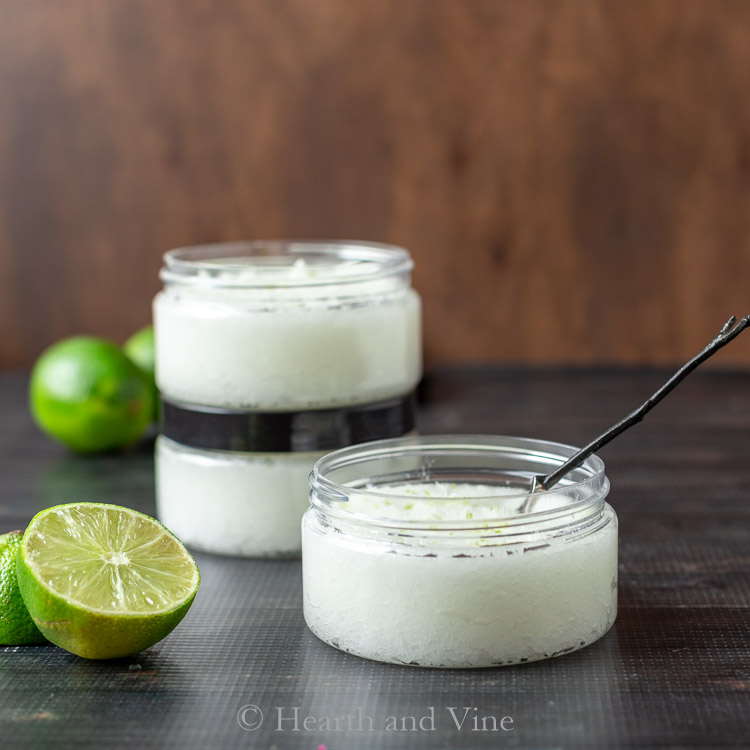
[
  {"x": 16, "y": 626},
  {"x": 88, "y": 394}
]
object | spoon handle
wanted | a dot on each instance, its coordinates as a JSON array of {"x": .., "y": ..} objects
[{"x": 728, "y": 331}]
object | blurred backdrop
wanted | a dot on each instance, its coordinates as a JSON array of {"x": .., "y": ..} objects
[{"x": 571, "y": 176}]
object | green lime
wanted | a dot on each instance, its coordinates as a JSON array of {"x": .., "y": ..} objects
[
  {"x": 16, "y": 626},
  {"x": 140, "y": 348},
  {"x": 88, "y": 394},
  {"x": 103, "y": 581}
]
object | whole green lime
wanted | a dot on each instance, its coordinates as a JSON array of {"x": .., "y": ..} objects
[
  {"x": 16, "y": 626},
  {"x": 103, "y": 581},
  {"x": 140, "y": 348},
  {"x": 86, "y": 393}
]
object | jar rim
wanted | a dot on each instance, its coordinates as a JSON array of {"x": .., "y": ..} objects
[
  {"x": 588, "y": 493},
  {"x": 327, "y": 262}
]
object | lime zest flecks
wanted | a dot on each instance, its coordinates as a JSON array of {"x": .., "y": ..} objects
[{"x": 437, "y": 502}]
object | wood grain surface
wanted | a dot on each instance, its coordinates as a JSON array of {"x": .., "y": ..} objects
[{"x": 572, "y": 177}]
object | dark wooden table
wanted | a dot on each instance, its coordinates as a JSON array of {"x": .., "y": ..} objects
[{"x": 673, "y": 673}]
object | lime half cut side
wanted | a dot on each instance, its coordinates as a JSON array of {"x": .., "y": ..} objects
[{"x": 104, "y": 581}]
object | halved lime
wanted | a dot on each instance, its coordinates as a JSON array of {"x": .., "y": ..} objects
[{"x": 104, "y": 581}]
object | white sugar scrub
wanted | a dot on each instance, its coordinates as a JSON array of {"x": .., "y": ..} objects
[
  {"x": 268, "y": 355},
  {"x": 415, "y": 551},
  {"x": 313, "y": 330},
  {"x": 237, "y": 522}
]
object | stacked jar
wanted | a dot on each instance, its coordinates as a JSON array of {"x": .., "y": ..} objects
[{"x": 269, "y": 355}]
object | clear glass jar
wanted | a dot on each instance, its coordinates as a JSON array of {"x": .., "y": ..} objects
[
  {"x": 268, "y": 355},
  {"x": 415, "y": 551}
]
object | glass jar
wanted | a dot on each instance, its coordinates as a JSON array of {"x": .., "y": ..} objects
[
  {"x": 416, "y": 551},
  {"x": 268, "y": 355}
]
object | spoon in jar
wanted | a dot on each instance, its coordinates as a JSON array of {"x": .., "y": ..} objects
[{"x": 730, "y": 330}]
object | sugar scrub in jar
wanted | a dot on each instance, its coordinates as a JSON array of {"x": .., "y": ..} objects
[
  {"x": 268, "y": 355},
  {"x": 416, "y": 551}
]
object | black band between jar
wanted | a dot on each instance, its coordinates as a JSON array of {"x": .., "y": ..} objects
[{"x": 213, "y": 428}]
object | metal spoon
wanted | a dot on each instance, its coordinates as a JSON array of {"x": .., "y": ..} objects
[{"x": 541, "y": 483}]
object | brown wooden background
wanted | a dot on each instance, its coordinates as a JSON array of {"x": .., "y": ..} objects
[{"x": 573, "y": 178}]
